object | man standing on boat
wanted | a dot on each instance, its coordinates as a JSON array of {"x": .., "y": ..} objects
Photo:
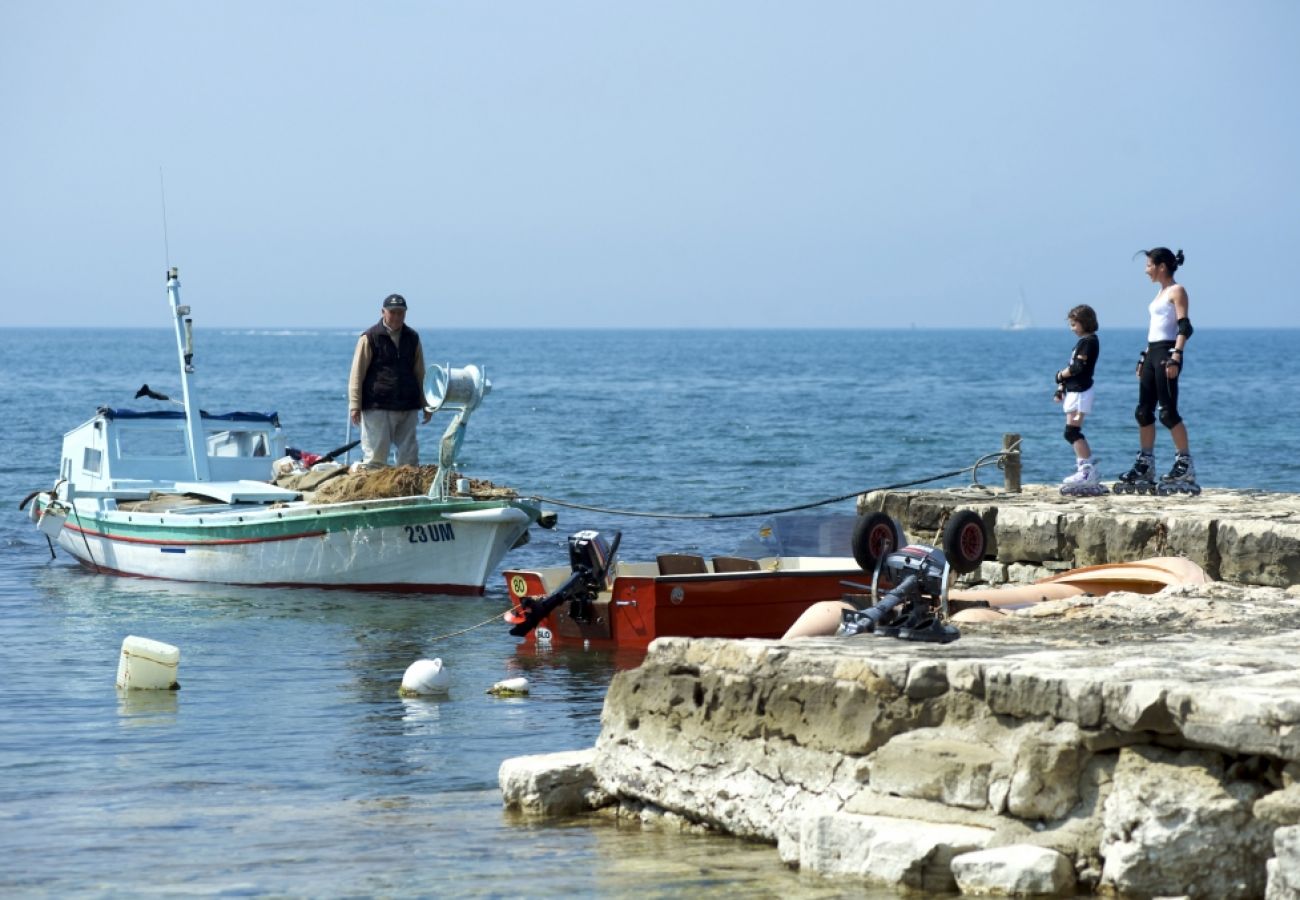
[{"x": 386, "y": 388}]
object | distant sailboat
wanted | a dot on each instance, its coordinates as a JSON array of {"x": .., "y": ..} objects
[{"x": 1020, "y": 318}]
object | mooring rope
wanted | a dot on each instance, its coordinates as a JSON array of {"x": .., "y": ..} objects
[
  {"x": 987, "y": 459},
  {"x": 495, "y": 618}
]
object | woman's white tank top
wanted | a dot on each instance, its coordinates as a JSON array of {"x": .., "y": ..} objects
[{"x": 1164, "y": 319}]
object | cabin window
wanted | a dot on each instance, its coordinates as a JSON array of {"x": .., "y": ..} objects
[
  {"x": 150, "y": 443},
  {"x": 238, "y": 443},
  {"x": 91, "y": 460}
]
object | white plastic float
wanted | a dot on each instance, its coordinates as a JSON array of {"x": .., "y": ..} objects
[
  {"x": 425, "y": 677},
  {"x": 511, "y": 687},
  {"x": 147, "y": 665}
]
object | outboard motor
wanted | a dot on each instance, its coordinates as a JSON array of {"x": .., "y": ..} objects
[
  {"x": 915, "y": 608},
  {"x": 591, "y": 558}
]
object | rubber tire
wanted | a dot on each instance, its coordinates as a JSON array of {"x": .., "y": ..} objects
[
  {"x": 964, "y": 541},
  {"x": 870, "y": 533}
]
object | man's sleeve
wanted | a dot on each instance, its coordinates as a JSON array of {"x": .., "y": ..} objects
[{"x": 360, "y": 363}]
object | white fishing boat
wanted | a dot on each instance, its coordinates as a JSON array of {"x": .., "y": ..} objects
[{"x": 186, "y": 495}]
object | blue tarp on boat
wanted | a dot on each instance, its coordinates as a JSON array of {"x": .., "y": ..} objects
[{"x": 111, "y": 413}]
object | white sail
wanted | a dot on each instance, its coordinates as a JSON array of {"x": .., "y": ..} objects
[{"x": 1020, "y": 318}]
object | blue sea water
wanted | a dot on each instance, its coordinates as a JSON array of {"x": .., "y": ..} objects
[{"x": 288, "y": 765}]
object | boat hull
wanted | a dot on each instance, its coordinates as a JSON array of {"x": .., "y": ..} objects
[
  {"x": 411, "y": 544},
  {"x": 639, "y": 609}
]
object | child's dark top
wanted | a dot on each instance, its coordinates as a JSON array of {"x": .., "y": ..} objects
[{"x": 1083, "y": 361}]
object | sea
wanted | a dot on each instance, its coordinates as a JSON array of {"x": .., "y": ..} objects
[{"x": 288, "y": 765}]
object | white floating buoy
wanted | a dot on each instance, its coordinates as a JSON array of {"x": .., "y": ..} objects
[
  {"x": 425, "y": 676},
  {"x": 147, "y": 665},
  {"x": 511, "y": 687}
]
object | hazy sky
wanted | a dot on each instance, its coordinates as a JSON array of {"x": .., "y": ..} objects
[{"x": 520, "y": 164}]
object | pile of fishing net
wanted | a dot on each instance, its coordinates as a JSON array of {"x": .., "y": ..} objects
[{"x": 396, "y": 481}]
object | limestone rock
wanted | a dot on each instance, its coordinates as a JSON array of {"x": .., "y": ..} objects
[
  {"x": 1174, "y": 824},
  {"x": 1280, "y": 808},
  {"x": 1028, "y": 535},
  {"x": 888, "y": 851},
  {"x": 1284, "y": 867},
  {"x": 1046, "y": 772},
  {"x": 1016, "y": 871},
  {"x": 551, "y": 784},
  {"x": 1259, "y": 552},
  {"x": 928, "y": 764}
]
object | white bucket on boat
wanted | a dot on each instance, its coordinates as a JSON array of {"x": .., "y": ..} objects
[
  {"x": 462, "y": 486},
  {"x": 51, "y": 521},
  {"x": 424, "y": 677},
  {"x": 147, "y": 665}
]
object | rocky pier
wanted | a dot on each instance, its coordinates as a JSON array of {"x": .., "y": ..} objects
[{"x": 1131, "y": 745}]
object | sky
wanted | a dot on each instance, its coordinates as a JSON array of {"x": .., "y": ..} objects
[{"x": 698, "y": 164}]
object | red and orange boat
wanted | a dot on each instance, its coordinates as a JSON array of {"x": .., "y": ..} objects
[
  {"x": 629, "y": 604},
  {"x": 605, "y": 601}
]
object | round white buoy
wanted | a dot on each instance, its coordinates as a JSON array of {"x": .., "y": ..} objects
[
  {"x": 147, "y": 665},
  {"x": 511, "y": 687},
  {"x": 425, "y": 676}
]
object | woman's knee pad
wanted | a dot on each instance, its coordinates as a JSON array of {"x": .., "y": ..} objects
[
  {"x": 1073, "y": 433},
  {"x": 1169, "y": 417},
  {"x": 1145, "y": 416}
]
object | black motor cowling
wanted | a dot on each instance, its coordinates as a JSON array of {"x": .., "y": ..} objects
[
  {"x": 593, "y": 556},
  {"x": 908, "y": 611},
  {"x": 591, "y": 559}
]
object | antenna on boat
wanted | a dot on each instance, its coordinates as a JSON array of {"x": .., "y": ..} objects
[
  {"x": 184, "y": 326},
  {"x": 162, "y": 190}
]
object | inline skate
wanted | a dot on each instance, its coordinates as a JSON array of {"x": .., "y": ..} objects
[
  {"x": 1141, "y": 479},
  {"x": 1084, "y": 482},
  {"x": 1181, "y": 478}
]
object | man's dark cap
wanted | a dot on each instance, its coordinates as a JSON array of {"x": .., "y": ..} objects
[{"x": 394, "y": 301}]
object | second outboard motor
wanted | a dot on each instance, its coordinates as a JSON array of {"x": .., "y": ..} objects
[
  {"x": 591, "y": 558},
  {"x": 915, "y": 608}
]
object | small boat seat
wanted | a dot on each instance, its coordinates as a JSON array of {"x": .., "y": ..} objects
[
  {"x": 735, "y": 564},
  {"x": 681, "y": 564}
]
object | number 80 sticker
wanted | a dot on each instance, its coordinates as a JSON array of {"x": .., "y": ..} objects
[{"x": 518, "y": 585}]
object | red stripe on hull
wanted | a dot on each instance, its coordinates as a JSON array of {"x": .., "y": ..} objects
[{"x": 458, "y": 590}]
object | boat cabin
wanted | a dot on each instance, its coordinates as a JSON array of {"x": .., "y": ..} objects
[{"x": 125, "y": 455}]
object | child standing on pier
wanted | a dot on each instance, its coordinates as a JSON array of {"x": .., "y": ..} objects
[{"x": 1074, "y": 392}]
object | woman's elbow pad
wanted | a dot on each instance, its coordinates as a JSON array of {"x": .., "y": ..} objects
[{"x": 1185, "y": 327}]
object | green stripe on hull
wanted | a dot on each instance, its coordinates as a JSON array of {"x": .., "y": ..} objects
[{"x": 265, "y": 525}]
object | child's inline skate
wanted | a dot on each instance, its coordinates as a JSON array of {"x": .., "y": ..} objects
[{"x": 1084, "y": 482}]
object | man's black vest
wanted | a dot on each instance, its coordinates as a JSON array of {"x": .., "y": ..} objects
[{"x": 390, "y": 382}]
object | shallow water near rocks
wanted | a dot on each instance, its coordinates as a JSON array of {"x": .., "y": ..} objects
[{"x": 288, "y": 764}]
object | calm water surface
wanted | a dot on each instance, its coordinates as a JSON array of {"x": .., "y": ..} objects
[{"x": 287, "y": 764}]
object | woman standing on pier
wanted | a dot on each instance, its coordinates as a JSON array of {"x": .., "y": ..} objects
[{"x": 1158, "y": 371}]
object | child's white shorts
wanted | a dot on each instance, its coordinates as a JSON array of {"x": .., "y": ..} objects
[{"x": 1078, "y": 401}]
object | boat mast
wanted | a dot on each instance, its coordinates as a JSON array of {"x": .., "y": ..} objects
[{"x": 195, "y": 443}]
